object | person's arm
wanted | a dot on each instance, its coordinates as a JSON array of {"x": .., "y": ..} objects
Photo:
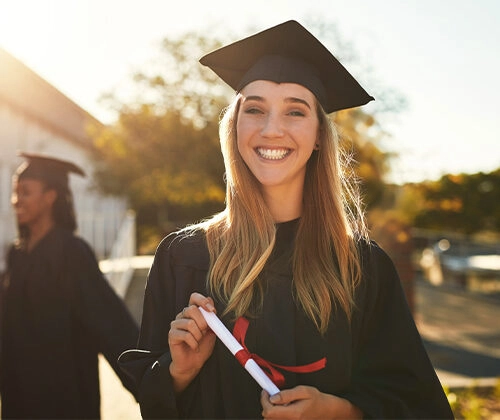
[
  {"x": 101, "y": 310},
  {"x": 191, "y": 342}
]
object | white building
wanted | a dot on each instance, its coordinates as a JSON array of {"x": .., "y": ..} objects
[{"x": 35, "y": 117}]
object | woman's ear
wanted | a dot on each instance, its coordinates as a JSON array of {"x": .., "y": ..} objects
[
  {"x": 50, "y": 195},
  {"x": 318, "y": 139}
]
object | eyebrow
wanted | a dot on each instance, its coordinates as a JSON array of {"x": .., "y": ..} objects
[{"x": 291, "y": 99}]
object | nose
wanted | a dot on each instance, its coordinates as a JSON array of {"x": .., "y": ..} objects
[{"x": 272, "y": 126}]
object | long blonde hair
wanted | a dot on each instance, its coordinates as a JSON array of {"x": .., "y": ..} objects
[{"x": 326, "y": 266}]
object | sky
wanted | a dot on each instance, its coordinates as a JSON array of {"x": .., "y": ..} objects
[{"x": 442, "y": 56}]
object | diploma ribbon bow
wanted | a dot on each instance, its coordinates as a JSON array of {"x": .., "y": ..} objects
[{"x": 269, "y": 368}]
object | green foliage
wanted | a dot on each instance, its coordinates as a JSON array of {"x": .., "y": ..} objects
[
  {"x": 160, "y": 158},
  {"x": 474, "y": 402},
  {"x": 163, "y": 151},
  {"x": 359, "y": 133},
  {"x": 461, "y": 203}
]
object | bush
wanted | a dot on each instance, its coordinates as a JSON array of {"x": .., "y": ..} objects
[{"x": 475, "y": 402}]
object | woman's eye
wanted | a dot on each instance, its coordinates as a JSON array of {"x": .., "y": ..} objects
[
  {"x": 296, "y": 113},
  {"x": 252, "y": 110}
]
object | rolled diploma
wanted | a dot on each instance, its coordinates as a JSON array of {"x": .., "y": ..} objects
[{"x": 232, "y": 344}]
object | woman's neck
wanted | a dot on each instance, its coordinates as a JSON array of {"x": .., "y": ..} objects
[
  {"x": 284, "y": 205},
  {"x": 37, "y": 232}
]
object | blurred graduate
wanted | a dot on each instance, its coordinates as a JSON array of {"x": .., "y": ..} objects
[
  {"x": 58, "y": 311},
  {"x": 288, "y": 265}
]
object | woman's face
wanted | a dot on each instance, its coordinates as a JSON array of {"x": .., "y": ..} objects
[
  {"x": 277, "y": 129},
  {"x": 32, "y": 201}
]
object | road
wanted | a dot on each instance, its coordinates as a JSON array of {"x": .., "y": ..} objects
[{"x": 461, "y": 332}]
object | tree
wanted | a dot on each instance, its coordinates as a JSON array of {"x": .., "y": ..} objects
[
  {"x": 160, "y": 158},
  {"x": 361, "y": 131},
  {"x": 368, "y": 161},
  {"x": 465, "y": 203},
  {"x": 164, "y": 148}
]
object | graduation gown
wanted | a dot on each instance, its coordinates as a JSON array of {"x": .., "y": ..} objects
[
  {"x": 58, "y": 314},
  {"x": 377, "y": 361}
]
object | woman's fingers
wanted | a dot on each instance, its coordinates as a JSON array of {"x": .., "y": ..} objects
[
  {"x": 191, "y": 313},
  {"x": 177, "y": 336},
  {"x": 189, "y": 325},
  {"x": 190, "y": 340},
  {"x": 206, "y": 303},
  {"x": 185, "y": 330}
]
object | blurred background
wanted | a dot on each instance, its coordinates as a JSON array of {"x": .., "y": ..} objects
[{"x": 115, "y": 86}]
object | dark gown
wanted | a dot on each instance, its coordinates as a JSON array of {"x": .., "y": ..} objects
[
  {"x": 377, "y": 361},
  {"x": 58, "y": 314}
]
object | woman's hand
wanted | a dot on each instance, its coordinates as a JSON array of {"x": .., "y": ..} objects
[
  {"x": 306, "y": 402},
  {"x": 191, "y": 341}
]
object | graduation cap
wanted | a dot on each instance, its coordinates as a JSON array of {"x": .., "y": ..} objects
[
  {"x": 51, "y": 170},
  {"x": 288, "y": 53}
]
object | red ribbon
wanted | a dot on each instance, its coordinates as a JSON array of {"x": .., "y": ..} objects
[{"x": 240, "y": 331}]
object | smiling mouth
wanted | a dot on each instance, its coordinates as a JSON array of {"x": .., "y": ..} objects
[{"x": 273, "y": 154}]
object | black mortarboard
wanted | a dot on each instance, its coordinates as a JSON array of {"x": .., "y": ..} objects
[
  {"x": 288, "y": 53},
  {"x": 46, "y": 168}
]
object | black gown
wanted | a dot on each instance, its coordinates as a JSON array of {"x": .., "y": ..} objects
[
  {"x": 377, "y": 361},
  {"x": 58, "y": 314}
]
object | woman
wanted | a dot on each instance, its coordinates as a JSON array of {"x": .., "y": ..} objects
[
  {"x": 58, "y": 311},
  {"x": 287, "y": 265}
]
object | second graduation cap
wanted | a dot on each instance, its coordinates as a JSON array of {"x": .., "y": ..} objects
[
  {"x": 288, "y": 53},
  {"x": 47, "y": 168}
]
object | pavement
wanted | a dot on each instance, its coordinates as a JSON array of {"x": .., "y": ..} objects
[
  {"x": 116, "y": 402},
  {"x": 460, "y": 330}
]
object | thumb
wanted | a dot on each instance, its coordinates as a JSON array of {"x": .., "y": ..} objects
[{"x": 279, "y": 399}]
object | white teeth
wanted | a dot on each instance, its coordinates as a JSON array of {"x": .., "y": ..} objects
[{"x": 273, "y": 154}]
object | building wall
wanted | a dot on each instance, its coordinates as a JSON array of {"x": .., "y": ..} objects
[{"x": 99, "y": 217}]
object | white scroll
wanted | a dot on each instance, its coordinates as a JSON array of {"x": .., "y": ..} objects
[{"x": 234, "y": 347}]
